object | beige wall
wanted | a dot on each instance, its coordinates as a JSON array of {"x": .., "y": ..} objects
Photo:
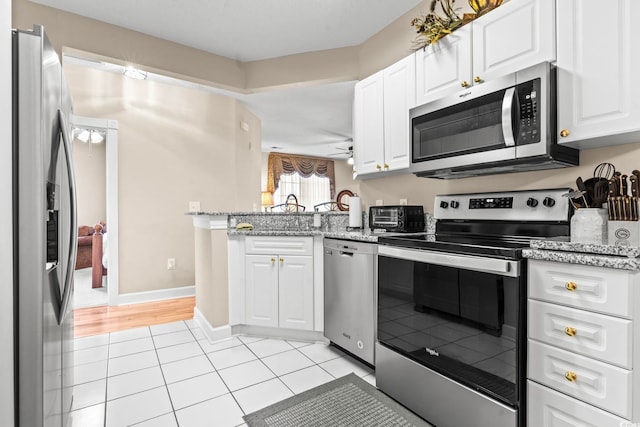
[
  {"x": 422, "y": 190},
  {"x": 175, "y": 145},
  {"x": 91, "y": 185},
  {"x": 100, "y": 40}
]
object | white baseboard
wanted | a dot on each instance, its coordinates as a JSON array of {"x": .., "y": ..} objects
[
  {"x": 150, "y": 296},
  {"x": 280, "y": 333},
  {"x": 213, "y": 334}
]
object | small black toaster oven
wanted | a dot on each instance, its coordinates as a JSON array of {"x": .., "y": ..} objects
[{"x": 398, "y": 218}]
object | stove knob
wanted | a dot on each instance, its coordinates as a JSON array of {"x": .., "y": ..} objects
[
  {"x": 548, "y": 202},
  {"x": 455, "y": 204},
  {"x": 531, "y": 202},
  {"x": 444, "y": 205}
]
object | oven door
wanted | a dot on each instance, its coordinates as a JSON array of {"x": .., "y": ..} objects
[{"x": 459, "y": 315}]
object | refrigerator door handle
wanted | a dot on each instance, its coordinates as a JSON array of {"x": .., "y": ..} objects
[{"x": 73, "y": 235}]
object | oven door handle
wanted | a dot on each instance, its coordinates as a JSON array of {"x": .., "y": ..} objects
[{"x": 501, "y": 267}]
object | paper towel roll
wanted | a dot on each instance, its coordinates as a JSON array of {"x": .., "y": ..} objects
[{"x": 355, "y": 212}]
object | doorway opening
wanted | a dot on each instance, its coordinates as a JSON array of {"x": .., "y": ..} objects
[{"x": 95, "y": 162}]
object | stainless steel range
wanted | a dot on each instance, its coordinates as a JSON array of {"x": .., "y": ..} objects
[{"x": 452, "y": 307}]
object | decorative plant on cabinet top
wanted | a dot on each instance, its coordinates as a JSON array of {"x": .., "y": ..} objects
[{"x": 432, "y": 27}]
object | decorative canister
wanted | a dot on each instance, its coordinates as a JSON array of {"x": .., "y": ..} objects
[{"x": 589, "y": 225}]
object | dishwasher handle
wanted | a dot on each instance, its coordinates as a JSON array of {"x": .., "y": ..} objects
[{"x": 329, "y": 251}]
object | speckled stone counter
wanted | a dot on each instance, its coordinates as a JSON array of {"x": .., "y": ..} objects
[
  {"x": 621, "y": 258},
  {"x": 332, "y": 224}
]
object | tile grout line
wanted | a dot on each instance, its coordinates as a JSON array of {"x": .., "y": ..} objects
[{"x": 166, "y": 386}]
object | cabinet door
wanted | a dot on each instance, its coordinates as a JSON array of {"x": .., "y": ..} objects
[
  {"x": 604, "y": 290},
  {"x": 261, "y": 290},
  {"x": 444, "y": 67},
  {"x": 296, "y": 292},
  {"x": 597, "y": 72},
  {"x": 368, "y": 132},
  {"x": 399, "y": 96},
  {"x": 586, "y": 379},
  {"x": 546, "y": 407},
  {"x": 514, "y": 36},
  {"x": 605, "y": 338}
]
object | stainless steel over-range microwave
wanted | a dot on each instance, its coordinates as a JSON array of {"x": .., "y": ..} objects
[{"x": 504, "y": 125}]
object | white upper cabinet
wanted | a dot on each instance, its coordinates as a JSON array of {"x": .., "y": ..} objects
[
  {"x": 368, "y": 124},
  {"x": 597, "y": 66},
  {"x": 516, "y": 35},
  {"x": 444, "y": 67},
  {"x": 399, "y": 97},
  {"x": 381, "y": 118}
]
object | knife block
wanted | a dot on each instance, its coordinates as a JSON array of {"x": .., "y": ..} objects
[{"x": 624, "y": 233}]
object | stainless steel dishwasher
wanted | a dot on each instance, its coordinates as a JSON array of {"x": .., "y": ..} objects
[{"x": 350, "y": 282}]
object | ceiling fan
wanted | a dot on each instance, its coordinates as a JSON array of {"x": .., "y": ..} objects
[{"x": 348, "y": 151}]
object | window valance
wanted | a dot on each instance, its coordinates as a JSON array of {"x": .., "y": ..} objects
[{"x": 279, "y": 164}]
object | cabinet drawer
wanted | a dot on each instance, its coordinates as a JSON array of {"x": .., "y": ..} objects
[
  {"x": 548, "y": 408},
  {"x": 598, "y": 289},
  {"x": 606, "y": 338},
  {"x": 598, "y": 383},
  {"x": 263, "y": 245}
]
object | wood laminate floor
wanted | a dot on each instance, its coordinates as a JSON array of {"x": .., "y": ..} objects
[{"x": 99, "y": 320}]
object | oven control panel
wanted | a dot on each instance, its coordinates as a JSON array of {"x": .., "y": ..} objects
[
  {"x": 527, "y": 205},
  {"x": 491, "y": 203}
]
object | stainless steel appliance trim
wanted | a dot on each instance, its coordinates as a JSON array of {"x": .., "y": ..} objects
[
  {"x": 73, "y": 203},
  {"x": 438, "y": 399},
  {"x": 545, "y": 154},
  {"x": 507, "y": 113},
  {"x": 475, "y": 263},
  {"x": 351, "y": 296}
]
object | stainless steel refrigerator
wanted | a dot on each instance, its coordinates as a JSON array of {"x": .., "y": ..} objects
[{"x": 45, "y": 233}]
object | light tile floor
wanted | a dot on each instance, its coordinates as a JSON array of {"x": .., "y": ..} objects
[
  {"x": 171, "y": 375},
  {"x": 83, "y": 294}
]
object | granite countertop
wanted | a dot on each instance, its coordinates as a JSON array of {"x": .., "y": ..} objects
[
  {"x": 621, "y": 258},
  {"x": 364, "y": 235}
]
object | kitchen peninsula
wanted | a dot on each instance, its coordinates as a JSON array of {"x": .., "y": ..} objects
[{"x": 221, "y": 252}]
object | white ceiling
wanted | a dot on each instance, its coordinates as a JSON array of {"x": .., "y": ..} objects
[
  {"x": 308, "y": 120},
  {"x": 247, "y": 30}
]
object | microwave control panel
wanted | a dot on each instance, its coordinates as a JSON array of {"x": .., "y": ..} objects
[{"x": 529, "y": 113}]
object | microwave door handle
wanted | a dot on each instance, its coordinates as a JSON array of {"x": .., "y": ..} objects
[{"x": 507, "y": 114}]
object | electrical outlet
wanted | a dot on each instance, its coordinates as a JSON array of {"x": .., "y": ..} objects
[
  {"x": 403, "y": 201},
  {"x": 194, "y": 206},
  {"x": 379, "y": 202},
  {"x": 171, "y": 264}
]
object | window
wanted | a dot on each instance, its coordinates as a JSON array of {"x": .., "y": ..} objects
[
  {"x": 309, "y": 191},
  {"x": 310, "y": 179}
]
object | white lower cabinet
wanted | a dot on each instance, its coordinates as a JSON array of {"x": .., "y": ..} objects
[
  {"x": 279, "y": 286},
  {"x": 548, "y": 408},
  {"x": 583, "y": 360}
]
